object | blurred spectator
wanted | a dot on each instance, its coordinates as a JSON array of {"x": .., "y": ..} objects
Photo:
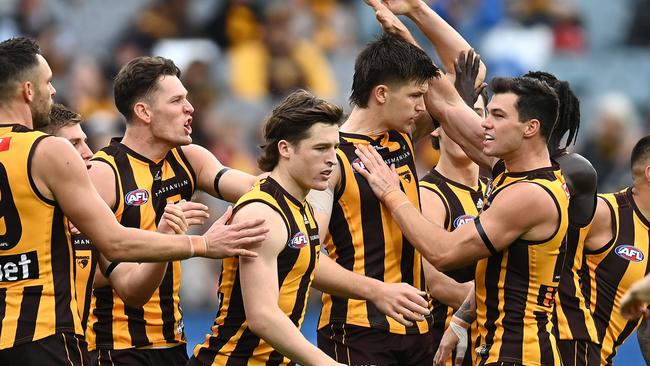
[
  {"x": 639, "y": 33},
  {"x": 610, "y": 143}
]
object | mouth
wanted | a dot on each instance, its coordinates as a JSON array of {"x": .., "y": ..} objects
[
  {"x": 188, "y": 126},
  {"x": 326, "y": 173},
  {"x": 487, "y": 137}
]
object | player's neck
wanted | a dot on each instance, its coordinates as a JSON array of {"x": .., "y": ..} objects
[
  {"x": 364, "y": 121},
  {"x": 527, "y": 158},
  {"x": 464, "y": 172},
  {"x": 13, "y": 113},
  {"x": 641, "y": 194},
  {"x": 289, "y": 184},
  {"x": 144, "y": 144}
]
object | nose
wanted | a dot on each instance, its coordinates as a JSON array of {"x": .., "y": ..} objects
[
  {"x": 487, "y": 123},
  {"x": 419, "y": 106},
  {"x": 85, "y": 151},
  {"x": 52, "y": 90},
  {"x": 189, "y": 108},
  {"x": 331, "y": 157}
]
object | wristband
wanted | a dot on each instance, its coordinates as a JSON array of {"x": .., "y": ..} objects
[
  {"x": 198, "y": 245},
  {"x": 394, "y": 199}
]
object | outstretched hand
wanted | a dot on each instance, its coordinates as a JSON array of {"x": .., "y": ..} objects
[
  {"x": 381, "y": 178},
  {"x": 389, "y": 22},
  {"x": 466, "y": 68},
  {"x": 230, "y": 240},
  {"x": 402, "y": 7},
  {"x": 454, "y": 338}
]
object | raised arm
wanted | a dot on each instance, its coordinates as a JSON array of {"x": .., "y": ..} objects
[
  {"x": 59, "y": 172},
  {"x": 446, "y": 40},
  {"x": 259, "y": 285},
  {"x": 459, "y": 121}
]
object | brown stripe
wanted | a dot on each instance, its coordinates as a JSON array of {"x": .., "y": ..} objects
[{"x": 28, "y": 313}]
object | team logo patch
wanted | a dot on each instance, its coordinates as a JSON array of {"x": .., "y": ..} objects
[
  {"x": 462, "y": 220},
  {"x": 137, "y": 197},
  {"x": 630, "y": 253},
  {"x": 406, "y": 176},
  {"x": 82, "y": 261},
  {"x": 298, "y": 241},
  {"x": 566, "y": 190}
]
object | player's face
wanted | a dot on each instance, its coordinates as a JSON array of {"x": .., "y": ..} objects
[
  {"x": 504, "y": 133},
  {"x": 78, "y": 139},
  {"x": 43, "y": 93},
  {"x": 171, "y": 119},
  {"x": 312, "y": 160},
  {"x": 404, "y": 104}
]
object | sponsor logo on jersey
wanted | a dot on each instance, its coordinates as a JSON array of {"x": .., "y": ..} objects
[
  {"x": 298, "y": 241},
  {"x": 462, "y": 220},
  {"x": 19, "y": 267},
  {"x": 137, "y": 197},
  {"x": 566, "y": 190},
  {"x": 479, "y": 204},
  {"x": 630, "y": 253}
]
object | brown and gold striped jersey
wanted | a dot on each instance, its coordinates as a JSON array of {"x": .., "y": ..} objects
[
  {"x": 462, "y": 204},
  {"x": 143, "y": 188},
  {"x": 232, "y": 342},
  {"x": 515, "y": 289},
  {"x": 364, "y": 238},
  {"x": 614, "y": 268},
  {"x": 85, "y": 263},
  {"x": 37, "y": 290},
  {"x": 572, "y": 318}
]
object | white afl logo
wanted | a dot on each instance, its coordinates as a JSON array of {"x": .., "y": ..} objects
[{"x": 462, "y": 220}]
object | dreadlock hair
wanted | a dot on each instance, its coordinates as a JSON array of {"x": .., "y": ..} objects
[{"x": 569, "y": 113}]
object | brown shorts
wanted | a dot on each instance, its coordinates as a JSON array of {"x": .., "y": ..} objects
[
  {"x": 174, "y": 356},
  {"x": 579, "y": 353},
  {"x": 359, "y": 346},
  {"x": 58, "y": 349}
]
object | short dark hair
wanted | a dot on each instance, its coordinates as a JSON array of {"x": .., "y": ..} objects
[
  {"x": 640, "y": 156},
  {"x": 138, "y": 79},
  {"x": 17, "y": 59},
  {"x": 388, "y": 60},
  {"x": 535, "y": 100},
  {"x": 60, "y": 116},
  {"x": 291, "y": 121},
  {"x": 568, "y": 119}
]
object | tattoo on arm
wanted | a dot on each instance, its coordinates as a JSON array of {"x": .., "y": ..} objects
[
  {"x": 465, "y": 311},
  {"x": 643, "y": 335}
]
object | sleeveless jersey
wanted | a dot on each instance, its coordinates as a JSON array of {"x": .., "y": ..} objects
[
  {"x": 232, "y": 342},
  {"x": 85, "y": 264},
  {"x": 614, "y": 268},
  {"x": 364, "y": 238},
  {"x": 515, "y": 289},
  {"x": 37, "y": 291},
  {"x": 143, "y": 188},
  {"x": 462, "y": 204}
]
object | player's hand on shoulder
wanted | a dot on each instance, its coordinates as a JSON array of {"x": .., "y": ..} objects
[{"x": 229, "y": 240}]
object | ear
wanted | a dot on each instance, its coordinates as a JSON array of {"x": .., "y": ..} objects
[
  {"x": 532, "y": 128},
  {"x": 142, "y": 111},
  {"x": 647, "y": 173},
  {"x": 284, "y": 148},
  {"x": 27, "y": 90},
  {"x": 435, "y": 132},
  {"x": 380, "y": 92}
]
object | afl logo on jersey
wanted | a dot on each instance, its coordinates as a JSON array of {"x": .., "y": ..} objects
[
  {"x": 462, "y": 220},
  {"x": 298, "y": 241},
  {"x": 137, "y": 197},
  {"x": 630, "y": 253},
  {"x": 358, "y": 161}
]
